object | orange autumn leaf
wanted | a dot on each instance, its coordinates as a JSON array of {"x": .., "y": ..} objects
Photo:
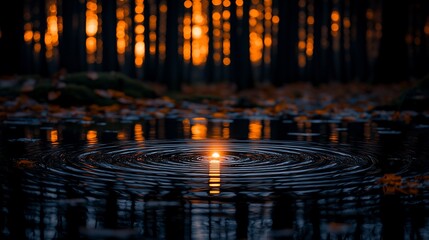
[
  {"x": 25, "y": 163},
  {"x": 53, "y": 95}
]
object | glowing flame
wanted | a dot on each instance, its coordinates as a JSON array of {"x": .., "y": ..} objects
[{"x": 215, "y": 155}]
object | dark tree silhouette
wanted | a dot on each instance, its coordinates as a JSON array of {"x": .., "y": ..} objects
[
  {"x": 210, "y": 61},
  {"x": 171, "y": 76},
  {"x": 240, "y": 55},
  {"x": 359, "y": 55},
  {"x": 317, "y": 75},
  {"x": 147, "y": 67},
  {"x": 287, "y": 67},
  {"x": 11, "y": 40},
  {"x": 403, "y": 51},
  {"x": 130, "y": 67},
  {"x": 392, "y": 61},
  {"x": 110, "y": 57}
]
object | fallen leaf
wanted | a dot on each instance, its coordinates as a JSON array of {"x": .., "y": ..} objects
[{"x": 25, "y": 163}]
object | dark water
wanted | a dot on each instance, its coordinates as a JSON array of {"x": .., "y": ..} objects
[{"x": 159, "y": 179}]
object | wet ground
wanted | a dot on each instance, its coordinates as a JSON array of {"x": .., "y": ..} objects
[{"x": 216, "y": 176}]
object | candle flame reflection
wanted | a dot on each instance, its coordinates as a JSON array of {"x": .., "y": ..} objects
[{"x": 214, "y": 174}]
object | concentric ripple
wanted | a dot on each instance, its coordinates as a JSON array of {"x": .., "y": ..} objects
[{"x": 252, "y": 168}]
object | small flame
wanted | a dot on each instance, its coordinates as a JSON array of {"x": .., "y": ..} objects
[{"x": 215, "y": 155}]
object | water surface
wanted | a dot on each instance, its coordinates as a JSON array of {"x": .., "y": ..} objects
[{"x": 159, "y": 178}]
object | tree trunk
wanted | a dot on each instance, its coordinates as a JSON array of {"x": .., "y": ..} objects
[
  {"x": 392, "y": 60},
  {"x": 240, "y": 55},
  {"x": 210, "y": 61},
  {"x": 11, "y": 39},
  {"x": 316, "y": 75},
  {"x": 147, "y": 73},
  {"x": 287, "y": 67},
  {"x": 361, "y": 64},
  {"x": 172, "y": 56},
  {"x": 130, "y": 66},
  {"x": 43, "y": 26},
  {"x": 110, "y": 56}
]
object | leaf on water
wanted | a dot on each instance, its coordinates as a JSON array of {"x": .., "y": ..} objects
[
  {"x": 391, "y": 179},
  {"x": 28, "y": 85},
  {"x": 103, "y": 93},
  {"x": 25, "y": 163},
  {"x": 393, "y": 184},
  {"x": 338, "y": 228},
  {"x": 219, "y": 115},
  {"x": 301, "y": 118},
  {"x": 53, "y": 95},
  {"x": 92, "y": 75},
  {"x": 116, "y": 94}
]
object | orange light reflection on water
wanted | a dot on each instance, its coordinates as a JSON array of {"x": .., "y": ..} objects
[
  {"x": 53, "y": 136},
  {"x": 138, "y": 133},
  {"x": 91, "y": 137},
  {"x": 199, "y": 128},
  {"x": 214, "y": 173},
  {"x": 255, "y": 129}
]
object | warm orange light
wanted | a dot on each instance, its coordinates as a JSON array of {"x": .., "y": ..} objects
[
  {"x": 187, "y": 4},
  {"x": 310, "y": 20},
  {"x": 427, "y": 28},
  {"x": 335, "y": 16},
  {"x": 199, "y": 128},
  {"x": 139, "y": 29},
  {"x": 163, "y": 8},
  {"x": 91, "y": 45},
  {"x": 138, "y": 133},
  {"x": 214, "y": 176},
  {"x": 36, "y": 36},
  {"x": 215, "y": 155},
  {"x": 53, "y": 136},
  {"x": 91, "y": 137},
  {"x": 302, "y": 60},
  {"x": 121, "y": 136},
  {"x": 369, "y": 14},
  {"x": 91, "y": 26},
  {"x": 37, "y": 47},
  {"x": 254, "y": 13},
  {"x": 301, "y": 45},
  {"x": 268, "y": 41},
  {"x": 275, "y": 19},
  {"x": 335, "y": 27},
  {"x": 197, "y": 32},
  {"x": 255, "y": 129},
  {"x": 139, "y": 49},
  {"x": 216, "y": 2},
  {"x": 226, "y": 14},
  {"x": 226, "y": 61},
  {"x": 199, "y": 42},
  {"x": 139, "y": 9},
  {"x": 28, "y": 36},
  {"x": 346, "y": 22},
  {"x": 216, "y": 16},
  {"x": 51, "y": 34}
]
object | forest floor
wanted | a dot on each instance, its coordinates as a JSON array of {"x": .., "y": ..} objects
[{"x": 115, "y": 99}]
